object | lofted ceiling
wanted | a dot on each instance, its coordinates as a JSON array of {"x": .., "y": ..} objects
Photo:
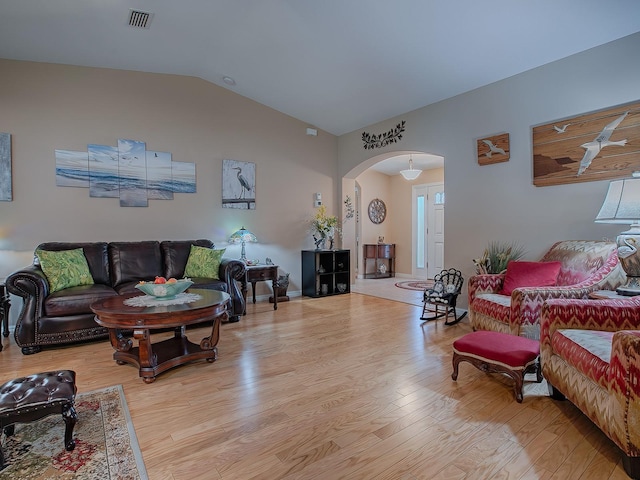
[{"x": 338, "y": 65}]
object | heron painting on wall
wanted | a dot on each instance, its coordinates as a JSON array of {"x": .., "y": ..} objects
[{"x": 238, "y": 184}]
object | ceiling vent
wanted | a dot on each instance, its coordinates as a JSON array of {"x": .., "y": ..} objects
[{"x": 139, "y": 19}]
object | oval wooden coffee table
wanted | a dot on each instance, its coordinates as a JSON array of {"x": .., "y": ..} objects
[{"x": 153, "y": 359}]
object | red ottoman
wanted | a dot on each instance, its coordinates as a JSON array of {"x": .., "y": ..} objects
[{"x": 495, "y": 352}]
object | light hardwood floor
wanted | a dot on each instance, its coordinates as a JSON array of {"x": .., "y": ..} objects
[{"x": 350, "y": 386}]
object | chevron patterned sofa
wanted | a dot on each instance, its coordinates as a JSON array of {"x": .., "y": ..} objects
[
  {"x": 590, "y": 354},
  {"x": 586, "y": 266}
]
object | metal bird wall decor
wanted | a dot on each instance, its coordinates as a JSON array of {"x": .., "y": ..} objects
[{"x": 371, "y": 140}]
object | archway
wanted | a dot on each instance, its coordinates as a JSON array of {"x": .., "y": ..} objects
[{"x": 378, "y": 178}]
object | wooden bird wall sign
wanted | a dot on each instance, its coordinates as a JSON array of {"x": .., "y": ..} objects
[
  {"x": 493, "y": 149},
  {"x": 602, "y": 145}
]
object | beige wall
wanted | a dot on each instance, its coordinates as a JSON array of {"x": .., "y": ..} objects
[
  {"x": 46, "y": 107},
  {"x": 499, "y": 202}
]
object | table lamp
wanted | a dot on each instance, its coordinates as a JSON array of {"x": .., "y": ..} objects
[
  {"x": 622, "y": 205},
  {"x": 242, "y": 236}
]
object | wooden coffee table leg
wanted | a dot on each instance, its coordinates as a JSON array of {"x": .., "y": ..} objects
[
  {"x": 147, "y": 359},
  {"x": 120, "y": 343},
  {"x": 210, "y": 342}
]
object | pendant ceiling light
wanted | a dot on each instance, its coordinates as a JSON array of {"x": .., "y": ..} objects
[{"x": 411, "y": 173}]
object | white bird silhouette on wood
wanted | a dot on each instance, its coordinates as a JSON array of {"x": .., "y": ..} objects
[
  {"x": 493, "y": 149},
  {"x": 561, "y": 129},
  {"x": 593, "y": 148}
]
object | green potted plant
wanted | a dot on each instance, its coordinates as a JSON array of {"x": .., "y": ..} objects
[{"x": 496, "y": 257}]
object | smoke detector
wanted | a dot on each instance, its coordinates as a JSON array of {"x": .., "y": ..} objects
[{"x": 139, "y": 19}]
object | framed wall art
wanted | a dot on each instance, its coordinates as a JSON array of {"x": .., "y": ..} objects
[
  {"x": 602, "y": 145},
  {"x": 128, "y": 172},
  {"x": 238, "y": 184},
  {"x": 494, "y": 149}
]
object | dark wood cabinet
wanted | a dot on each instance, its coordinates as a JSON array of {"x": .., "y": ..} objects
[
  {"x": 325, "y": 272},
  {"x": 382, "y": 257}
]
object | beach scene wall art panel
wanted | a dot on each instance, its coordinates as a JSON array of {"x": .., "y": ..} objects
[
  {"x": 602, "y": 145},
  {"x": 132, "y": 172},
  {"x": 127, "y": 171},
  {"x": 238, "y": 184},
  {"x": 6, "y": 193},
  {"x": 159, "y": 176},
  {"x": 72, "y": 168},
  {"x": 103, "y": 171},
  {"x": 184, "y": 177}
]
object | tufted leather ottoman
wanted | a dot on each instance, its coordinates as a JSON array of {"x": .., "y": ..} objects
[
  {"x": 37, "y": 396},
  {"x": 496, "y": 352}
]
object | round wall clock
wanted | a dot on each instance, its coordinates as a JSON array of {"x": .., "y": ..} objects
[{"x": 377, "y": 210}]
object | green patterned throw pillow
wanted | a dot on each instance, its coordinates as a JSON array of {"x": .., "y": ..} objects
[
  {"x": 203, "y": 262},
  {"x": 64, "y": 268}
]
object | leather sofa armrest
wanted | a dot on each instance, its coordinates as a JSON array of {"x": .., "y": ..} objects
[
  {"x": 32, "y": 286},
  {"x": 232, "y": 271},
  {"x": 28, "y": 282}
]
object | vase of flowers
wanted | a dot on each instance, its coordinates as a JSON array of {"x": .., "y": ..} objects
[{"x": 323, "y": 228}]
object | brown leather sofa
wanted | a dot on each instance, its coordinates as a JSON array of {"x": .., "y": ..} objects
[{"x": 65, "y": 317}]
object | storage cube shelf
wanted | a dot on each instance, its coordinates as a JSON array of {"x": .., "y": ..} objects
[
  {"x": 324, "y": 270},
  {"x": 379, "y": 254}
]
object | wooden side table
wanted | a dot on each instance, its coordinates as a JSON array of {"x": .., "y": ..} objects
[{"x": 260, "y": 273}]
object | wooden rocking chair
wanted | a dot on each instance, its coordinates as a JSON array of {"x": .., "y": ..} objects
[{"x": 440, "y": 300}]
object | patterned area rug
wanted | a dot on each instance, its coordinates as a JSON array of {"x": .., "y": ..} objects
[
  {"x": 106, "y": 443},
  {"x": 414, "y": 285}
]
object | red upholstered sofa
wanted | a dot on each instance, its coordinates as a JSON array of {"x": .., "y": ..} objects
[
  {"x": 590, "y": 354},
  {"x": 586, "y": 266}
]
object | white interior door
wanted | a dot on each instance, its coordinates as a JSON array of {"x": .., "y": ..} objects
[{"x": 435, "y": 229}]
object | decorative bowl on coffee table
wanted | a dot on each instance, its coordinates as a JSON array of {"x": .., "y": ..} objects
[{"x": 164, "y": 290}]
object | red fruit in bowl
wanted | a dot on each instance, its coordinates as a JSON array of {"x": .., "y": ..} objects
[{"x": 160, "y": 280}]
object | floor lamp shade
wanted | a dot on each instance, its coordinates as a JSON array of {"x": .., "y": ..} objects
[{"x": 622, "y": 205}]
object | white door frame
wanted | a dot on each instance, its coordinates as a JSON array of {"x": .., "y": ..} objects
[{"x": 416, "y": 191}]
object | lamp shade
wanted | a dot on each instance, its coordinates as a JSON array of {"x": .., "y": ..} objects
[
  {"x": 622, "y": 205},
  {"x": 411, "y": 173},
  {"x": 242, "y": 235},
  {"x": 622, "y": 202}
]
